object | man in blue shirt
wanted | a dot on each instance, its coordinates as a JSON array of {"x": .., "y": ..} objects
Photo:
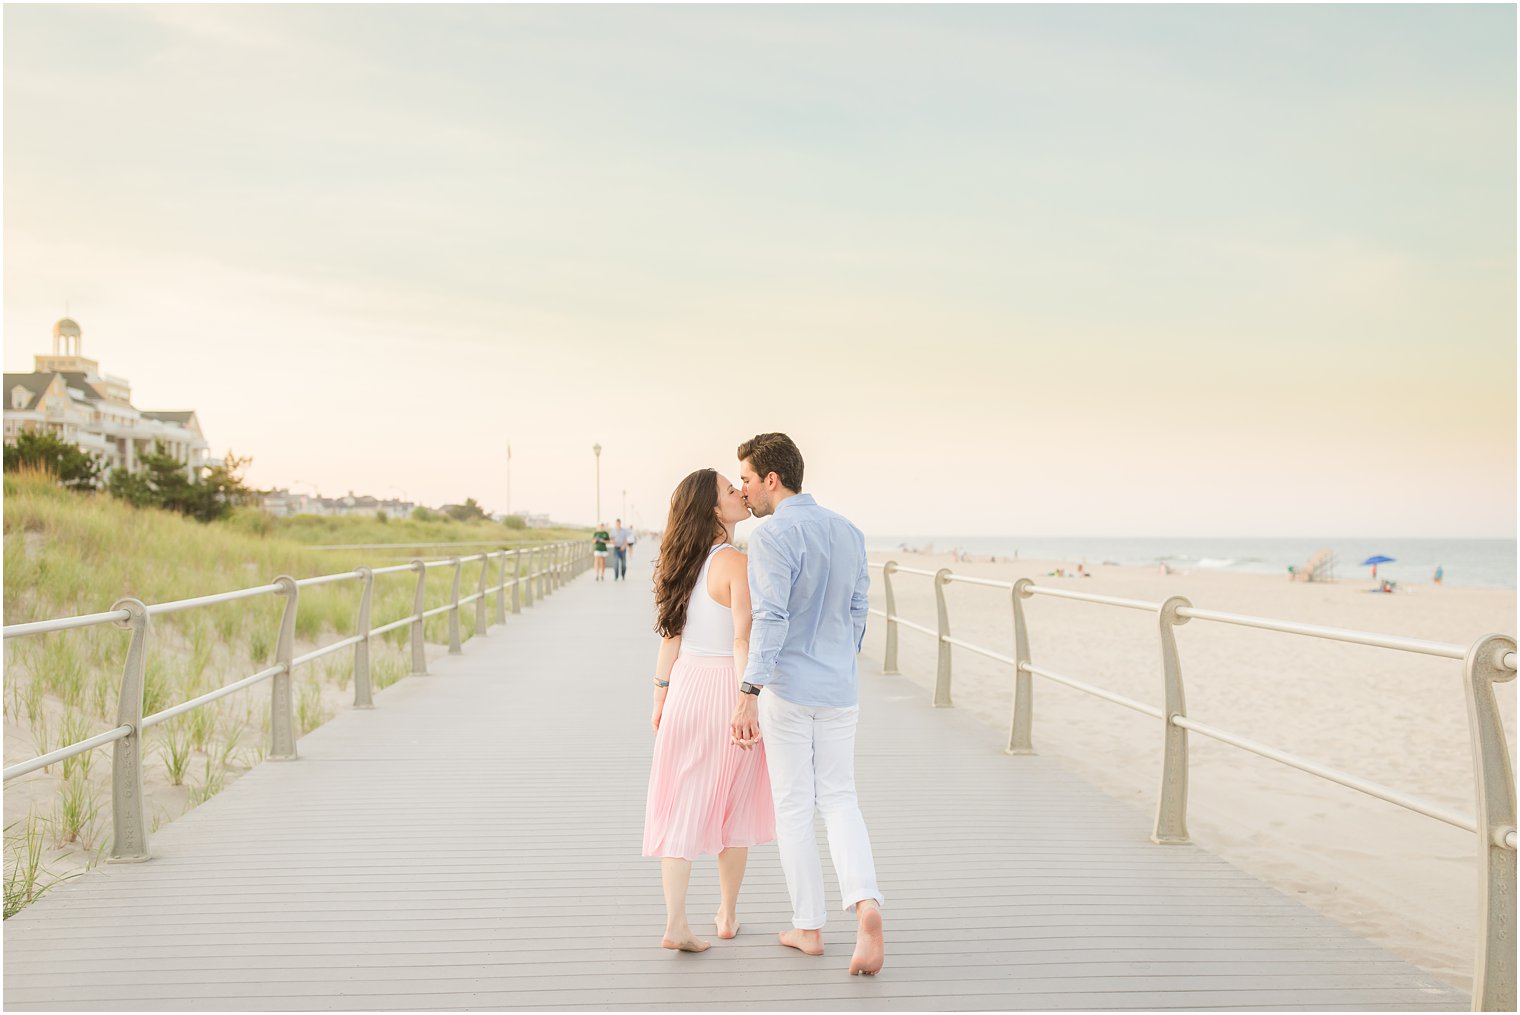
[
  {"x": 619, "y": 551},
  {"x": 808, "y": 584}
]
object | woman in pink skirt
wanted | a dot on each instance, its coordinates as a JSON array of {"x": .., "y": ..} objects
[{"x": 706, "y": 795}]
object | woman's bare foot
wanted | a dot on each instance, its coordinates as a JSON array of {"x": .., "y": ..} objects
[
  {"x": 685, "y": 943},
  {"x": 728, "y": 926},
  {"x": 870, "y": 949},
  {"x": 808, "y": 942}
]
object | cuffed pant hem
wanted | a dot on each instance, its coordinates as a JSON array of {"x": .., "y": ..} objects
[{"x": 849, "y": 907}]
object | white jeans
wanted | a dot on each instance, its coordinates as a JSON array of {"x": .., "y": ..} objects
[{"x": 810, "y": 752}]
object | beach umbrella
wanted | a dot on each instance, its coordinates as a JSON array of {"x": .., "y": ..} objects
[{"x": 1373, "y": 562}]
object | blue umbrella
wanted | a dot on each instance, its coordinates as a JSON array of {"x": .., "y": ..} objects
[{"x": 1379, "y": 559}]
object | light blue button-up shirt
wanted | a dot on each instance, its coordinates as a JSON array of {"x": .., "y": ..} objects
[{"x": 808, "y": 588}]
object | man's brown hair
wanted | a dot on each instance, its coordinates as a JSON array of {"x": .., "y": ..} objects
[{"x": 774, "y": 452}]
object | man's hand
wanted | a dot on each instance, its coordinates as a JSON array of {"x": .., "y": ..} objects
[{"x": 745, "y": 728}]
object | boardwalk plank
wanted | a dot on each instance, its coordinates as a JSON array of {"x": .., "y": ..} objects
[{"x": 473, "y": 843}]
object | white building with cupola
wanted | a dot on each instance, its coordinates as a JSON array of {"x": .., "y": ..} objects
[{"x": 68, "y": 396}]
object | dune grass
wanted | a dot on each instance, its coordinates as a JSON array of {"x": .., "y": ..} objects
[
  {"x": 26, "y": 873},
  {"x": 70, "y": 553}
]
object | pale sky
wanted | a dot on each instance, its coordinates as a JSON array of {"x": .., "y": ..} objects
[{"x": 1175, "y": 270}]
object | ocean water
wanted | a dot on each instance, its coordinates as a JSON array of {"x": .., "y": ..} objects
[{"x": 1474, "y": 563}]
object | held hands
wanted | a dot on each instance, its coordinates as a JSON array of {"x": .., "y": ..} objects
[{"x": 744, "y": 731}]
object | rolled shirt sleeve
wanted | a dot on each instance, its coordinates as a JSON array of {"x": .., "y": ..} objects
[
  {"x": 860, "y": 600},
  {"x": 773, "y": 567}
]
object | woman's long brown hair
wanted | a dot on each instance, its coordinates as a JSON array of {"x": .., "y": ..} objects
[{"x": 690, "y": 532}]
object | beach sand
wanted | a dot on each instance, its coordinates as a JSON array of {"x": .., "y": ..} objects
[{"x": 1399, "y": 878}]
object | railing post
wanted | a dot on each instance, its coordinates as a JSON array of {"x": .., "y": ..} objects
[
  {"x": 282, "y": 706},
  {"x": 517, "y": 583},
  {"x": 1494, "y": 787},
  {"x": 543, "y": 572},
  {"x": 363, "y": 693},
  {"x": 419, "y": 655},
  {"x": 559, "y": 566},
  {"x": 454, "y": 648},
  {"x": 480, "y": 597},
  {"x": 129, "y": 820},
  {"x": 501, "y": 590},
  {"x": 942, "y": 677},
  {"x": 1171, "y": 806},
  {"x": 1020, "y": 732},
  {"x": 889, "y": 655}
]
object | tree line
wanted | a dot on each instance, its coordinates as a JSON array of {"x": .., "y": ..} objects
[{"x": 166, "y": 483}]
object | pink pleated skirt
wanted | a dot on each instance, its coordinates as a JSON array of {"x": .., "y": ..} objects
[{"x": 705, "y": 795}]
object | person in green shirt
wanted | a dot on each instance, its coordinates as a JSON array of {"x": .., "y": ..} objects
[{"x": 599, "y": 549}]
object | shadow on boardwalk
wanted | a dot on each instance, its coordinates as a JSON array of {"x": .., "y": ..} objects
[{"x": 474, "y": 843}]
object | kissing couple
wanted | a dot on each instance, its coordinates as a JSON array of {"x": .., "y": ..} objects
[{"x": 741, "y": 761}]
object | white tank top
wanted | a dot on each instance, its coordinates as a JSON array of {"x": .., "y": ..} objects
[{"x": 709, "y": 629}]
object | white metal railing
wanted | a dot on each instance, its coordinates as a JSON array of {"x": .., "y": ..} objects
[
  {"x": 536, "y": 572},
  {"x": 1487, "y": 661}
]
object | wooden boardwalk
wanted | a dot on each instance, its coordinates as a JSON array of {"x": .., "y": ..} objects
[{"x": 474, "y": 841}]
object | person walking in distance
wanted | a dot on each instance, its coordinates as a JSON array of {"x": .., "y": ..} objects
[
  {"x": 599, "y": 540},
  {"x": 619, "y": 551},
  {"x": 808, "y": 590}
]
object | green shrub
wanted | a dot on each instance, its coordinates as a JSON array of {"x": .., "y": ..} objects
[{"x": 67, "y": 464}]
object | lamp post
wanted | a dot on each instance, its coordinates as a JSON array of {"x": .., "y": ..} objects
[
  {"x": 625, "y": 505},
  {"x": 596, "y": 449},
  {"x": 509, "y": 481}
]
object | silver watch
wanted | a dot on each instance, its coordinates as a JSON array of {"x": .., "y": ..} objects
[{"x": 747, "y": 688}]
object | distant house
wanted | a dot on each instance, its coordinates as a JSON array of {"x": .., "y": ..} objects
[
  {"x": 285, "y": 503},
  {"x": 68, "y": 396}
]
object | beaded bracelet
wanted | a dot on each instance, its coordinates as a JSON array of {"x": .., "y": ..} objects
[{"x": 661, "y": 683}]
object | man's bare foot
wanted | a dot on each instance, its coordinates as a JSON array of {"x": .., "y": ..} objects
[
  {"x": 870, "y": 950},
  {"x": 728, "y": 926},
  {"x": 687, "y": 943},
  {"x": 808, "y": 942}
]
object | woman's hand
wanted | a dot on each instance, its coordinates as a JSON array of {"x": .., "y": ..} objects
[{"x": 659, "y": 707}]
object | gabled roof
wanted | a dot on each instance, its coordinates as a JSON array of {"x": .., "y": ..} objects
[
  {"x": 81, "y": 381},
  {"x": 37, "y": 384},
  {"x": 185, "y": 419}
]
